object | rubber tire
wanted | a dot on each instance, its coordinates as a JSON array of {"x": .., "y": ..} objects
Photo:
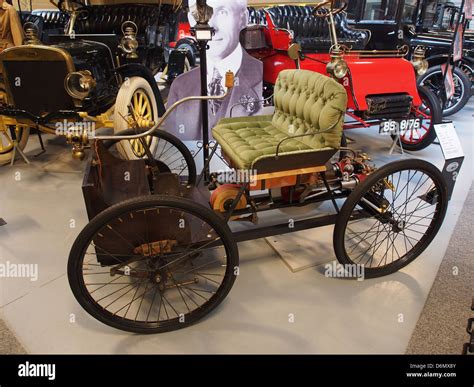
[
  {"x": 359, "y": 192},
  {"x": 465, "y": 82},
  {"x": 122, "y": 102},
  {"x": 436, "y": 118},
  {"x": 74, "y": 267},
  {"x": 161, "y": 134}
]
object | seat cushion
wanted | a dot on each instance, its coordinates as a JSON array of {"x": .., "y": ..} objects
[
  {"x": 245, "y": 142},
  {"x": 313, "y": 32},
  {"x": 306, "y": 128}
]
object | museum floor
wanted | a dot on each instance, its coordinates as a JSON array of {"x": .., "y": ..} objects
[{"x": 40, "y": 201}]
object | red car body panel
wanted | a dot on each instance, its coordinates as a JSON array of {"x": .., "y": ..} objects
[{"x": 367, "y": 76}]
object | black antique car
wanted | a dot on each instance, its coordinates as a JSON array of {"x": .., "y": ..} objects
[
  {"x": 82, "y": 80},
  {"x": 425, "y": 23}
]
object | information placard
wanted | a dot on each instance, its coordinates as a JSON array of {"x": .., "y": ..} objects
[{"x": 449, "y": 141}]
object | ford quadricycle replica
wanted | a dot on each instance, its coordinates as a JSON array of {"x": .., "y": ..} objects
[
  {"x": 87, "y": 78},
  {"x": 381, "y": 85},
  {"x": 160, "y": 251}
]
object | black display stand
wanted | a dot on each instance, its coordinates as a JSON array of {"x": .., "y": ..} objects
[
  {"x": 203, "y": 34},
  {"x": 452, "y": 152}
]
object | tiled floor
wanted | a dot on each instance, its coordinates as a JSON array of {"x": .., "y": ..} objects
[{"x": 45, "y": 212}]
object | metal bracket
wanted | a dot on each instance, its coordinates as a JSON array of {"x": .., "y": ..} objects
[{"x": 16, "y": 148}]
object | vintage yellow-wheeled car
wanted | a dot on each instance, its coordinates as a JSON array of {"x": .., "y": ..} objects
[{"x": 78, "y": 83}]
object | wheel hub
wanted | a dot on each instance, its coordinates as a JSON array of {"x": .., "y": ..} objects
[{"x": 399, "y": 226}]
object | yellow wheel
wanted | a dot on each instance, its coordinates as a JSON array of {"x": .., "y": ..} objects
[
  {"x": 135, "y": 104},
  {"x": 6, "y": 142}
]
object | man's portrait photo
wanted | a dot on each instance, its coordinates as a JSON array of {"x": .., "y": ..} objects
[{"x": 225, "y": 53}]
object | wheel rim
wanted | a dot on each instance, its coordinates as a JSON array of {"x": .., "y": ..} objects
[
  {"x": 169, "y": 158},
  {"x": 468, "y": 71},
  {"x": 416, "y": 136},
  {"x": 411, "y": 207},
  {"x": 436, "y": 83},
  {"x": 6, "y": 142},
  {"x": 143, "y": 108},
  {"x": 160, "y": 281}
]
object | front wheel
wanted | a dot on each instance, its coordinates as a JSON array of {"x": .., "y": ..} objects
[
  {"x": 135, "y": 102},
  {"x": 430, "y": 113},
  {"x": 391, "y": 218},
  {"x": 153, "y": 264},
  {"x": 22, "y": 134}
]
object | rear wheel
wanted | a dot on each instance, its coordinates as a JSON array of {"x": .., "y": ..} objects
[
  {"x": 153, "y": 264},
  {"x": 434, "y": 80},
  {"x": 168, "y": 151},
  {"x": 391, "y": 218}
]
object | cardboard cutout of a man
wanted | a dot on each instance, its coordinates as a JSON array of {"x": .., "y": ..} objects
[
  {"x": 11, "y": 31},
  {"x": 225, "y": 53}
]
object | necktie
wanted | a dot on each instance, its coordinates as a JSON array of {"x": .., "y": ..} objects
[{"x": 215, "y": 88}]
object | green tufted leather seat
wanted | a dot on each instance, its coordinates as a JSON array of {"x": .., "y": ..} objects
[{"x": 309, "y": 116}]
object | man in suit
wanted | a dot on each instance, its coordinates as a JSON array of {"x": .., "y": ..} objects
[
  {"x": 11, "y": 31},
  {"x": 225, "y": 53}
]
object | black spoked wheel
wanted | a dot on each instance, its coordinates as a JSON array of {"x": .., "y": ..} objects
[
  {"x": 153, "y": 264},
  {"x": 430, "y": 113},
  {"x": 168, "y": 151},
  {"x": 434, "y": 80},
  {"x": 391, "y": 218}
]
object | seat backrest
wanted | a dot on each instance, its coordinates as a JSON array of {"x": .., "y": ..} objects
[
  {"x": 305, "y": 25},
  {"x": 309, "y": 103},
  {"x": 109, "y": 18}
]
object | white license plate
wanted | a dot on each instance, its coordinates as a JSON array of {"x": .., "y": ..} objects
[{"x": 397, "y": 126}]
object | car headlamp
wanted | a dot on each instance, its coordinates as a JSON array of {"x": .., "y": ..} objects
[
  {"x": 31, "y": 34},
  {"x": 419, "y": 62},
  {"x": 129, "y": 43},
  {"x": 337, "y": 67},
  {"x": 79, "y": 84}
]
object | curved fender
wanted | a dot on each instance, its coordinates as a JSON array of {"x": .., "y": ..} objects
[{"x": 373, "y": 76}]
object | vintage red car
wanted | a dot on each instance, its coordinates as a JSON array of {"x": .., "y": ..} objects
[{"x": 381, "y": 85}]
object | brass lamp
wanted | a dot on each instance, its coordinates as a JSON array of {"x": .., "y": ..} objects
[
  {"x": 337, "y": 67},
  {"x": 129, "y": 42},
  {"x": 31, "y": 34},
  {"x": 419, "y": 62}
]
